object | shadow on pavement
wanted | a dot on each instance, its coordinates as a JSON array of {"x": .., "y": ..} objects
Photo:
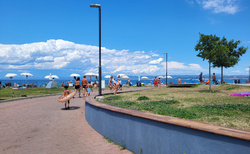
[{"x": 71, "y": 108}]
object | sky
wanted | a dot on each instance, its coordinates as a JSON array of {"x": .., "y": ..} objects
[{"x": 62, "y": 37}]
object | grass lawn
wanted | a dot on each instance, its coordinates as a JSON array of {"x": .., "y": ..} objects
[
  {"x": 196, "y": 103},
  {"x": 9, "y": 93}
]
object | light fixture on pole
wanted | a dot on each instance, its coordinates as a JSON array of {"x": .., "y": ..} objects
[
  {"x": 100, "y": 67},
  {"x": 166, "y": 68}
]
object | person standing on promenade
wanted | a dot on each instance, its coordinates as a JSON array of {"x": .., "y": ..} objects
[
  {"x": 110, "y": 83},
  {"x": 116, "y": 86},
  {"x": 155, "y": 82},
  {"x": 89, "y": 88},
  {"x": 66, "y": 93},
  {"x": 120, "y": 81},
  {"x": 84, "y": 84},
  {"x": 77, "y": 86},
  {"x": 200, "y": 78},
  {"x": 214, "y": 79}
]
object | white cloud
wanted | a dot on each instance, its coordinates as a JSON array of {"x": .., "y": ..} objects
[
  {"x": 220, "y": 6},
  {"x": 45, "y": 58},
  {"x": 157, "y": 61},
  {"x": 173, "y": 65},
  {"x": 139, "y": 69},
  {"x": 60, "y": 54},
  {"x": 155, "y": 55},
  {"x": 237, "y": 71}
]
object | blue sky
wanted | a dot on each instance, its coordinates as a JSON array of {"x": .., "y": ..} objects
[{"x": 61, "y": 37}]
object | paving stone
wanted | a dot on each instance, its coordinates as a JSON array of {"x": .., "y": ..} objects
[{"x": 42, "y": 125}]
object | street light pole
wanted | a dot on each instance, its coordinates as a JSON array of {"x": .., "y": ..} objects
[
  {"x": 100, "y": 66},
  {"x": 166, "y": 68}
]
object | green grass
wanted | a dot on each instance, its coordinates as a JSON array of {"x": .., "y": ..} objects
[
  {"x": 199, "y": 104},
  {"x": 9, "y": 93},
  {"x": 141, "y": 98},
  {"x": 122, "y": 147}
]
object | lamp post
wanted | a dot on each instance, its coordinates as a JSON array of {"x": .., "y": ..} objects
[
  {"x": 249, "y": 75},
  {"x": 100, "y": 67},
  {"x": 166, "y": 68}
]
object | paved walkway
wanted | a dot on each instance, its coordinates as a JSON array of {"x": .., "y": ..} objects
[{"x": 42, "y": 125}]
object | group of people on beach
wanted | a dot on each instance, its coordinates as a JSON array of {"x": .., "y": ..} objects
[
  {"x": 157, "y": 82},
  {"x": 115, "y": 85},
  {"x": 203, "y": 80},
  {"x": 86, "y": 86}
]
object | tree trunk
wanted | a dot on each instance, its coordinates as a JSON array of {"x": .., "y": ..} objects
[
  {"x": 210, "y": 76},
  {"x": 221, "y": 78}
]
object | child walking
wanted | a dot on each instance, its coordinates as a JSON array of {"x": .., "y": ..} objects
[
  {"x": 89, "y": 88},
  {"x": 66, "y": 93}
]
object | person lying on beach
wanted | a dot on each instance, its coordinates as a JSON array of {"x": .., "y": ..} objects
[
  {"x": 66, "y": 93},
  {"x": 89, "y": 88}
]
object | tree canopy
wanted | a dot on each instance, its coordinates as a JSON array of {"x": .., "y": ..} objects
[
  {"x": 228, "y": 53},
  {"x": 219, "y": 52},
  {"x": 208, "y": 47}
]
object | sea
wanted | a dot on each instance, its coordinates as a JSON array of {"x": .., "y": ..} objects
[{"x": 133, "y": 80}]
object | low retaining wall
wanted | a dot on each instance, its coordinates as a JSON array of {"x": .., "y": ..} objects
[{"x": 148, "y": 133}]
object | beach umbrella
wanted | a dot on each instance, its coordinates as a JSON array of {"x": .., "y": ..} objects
[
  {"x": 107, "y": 76},
  {"x": 161, "y": 77},
  {"x": 76, "y": 75},
  {"x": 10, "y": 75},
  {"x": 121, "y": 75},
  {"x": 27, "y": 74},
  {"x": 51, "y": 77},
  {"x": 125, "y": 77},
  {"x": 169, "y": 77},
  {"x": 91, "y": 75},
  {"x": 144, "y": 77}
]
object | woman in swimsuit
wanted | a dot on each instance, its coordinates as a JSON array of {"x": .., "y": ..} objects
[{"x": 77, "y": 86}]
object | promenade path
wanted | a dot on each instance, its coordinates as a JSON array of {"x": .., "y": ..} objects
[{"x": 42, "y": 126}]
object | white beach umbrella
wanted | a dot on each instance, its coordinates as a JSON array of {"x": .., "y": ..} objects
[
  {"x": 10, "y": 75},
  {"x": 27, "y": 74},
  {"x": 161, "y": 77},
  {"x": 55, "y": 76},
  {"x": 125, "y": 77},
  {"x": 51, "y": 77},
  {"x": 121, "y": 75},
  {"x": 91, "y": 75},
  {"x": 76, "y": 75},
  {"x": 169, "y": 77},
  {"x": 107, "y": 76},
  {"x": 144, "y": 77}
]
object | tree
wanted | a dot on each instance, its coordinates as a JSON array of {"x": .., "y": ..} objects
[
  {"x": 228, "y": 54},
  {"x": 207, "y": 47}
]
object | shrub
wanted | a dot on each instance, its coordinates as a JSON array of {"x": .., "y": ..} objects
[{"x": 142, "y": 98}]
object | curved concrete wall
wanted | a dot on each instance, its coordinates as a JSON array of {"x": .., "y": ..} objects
[{"x": 140, "y": 134}]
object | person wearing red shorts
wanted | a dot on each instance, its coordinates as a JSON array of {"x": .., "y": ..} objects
[{"x": 155, "y": 82}]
